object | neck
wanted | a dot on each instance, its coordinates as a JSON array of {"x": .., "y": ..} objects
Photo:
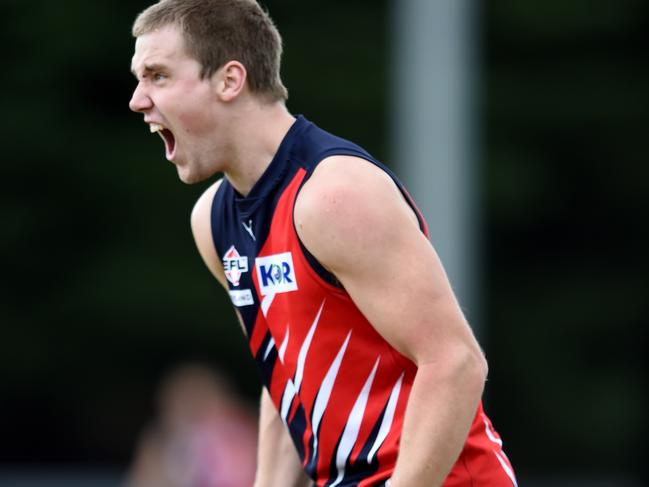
[{"x": 260, "y": 131}]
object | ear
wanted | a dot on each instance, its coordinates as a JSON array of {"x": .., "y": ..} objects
[{"x": 230, "y": 80}]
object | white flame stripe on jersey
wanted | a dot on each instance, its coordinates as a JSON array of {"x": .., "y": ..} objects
[
  {"x": 490, "y": 433},
  {"x": 266, "y": 302},
  {"x": 269, "y": 348},
  {"x": 508, "y": 470},
  {"x": 301, "y": 358},
  {"x": 386, "y": 424},
  {"x": 292, "y": 388},
  {"x": 322, "y": 399},
  {"x": 287, "y": 400},
  {"x": 282, "y": 348},
  {"x": 353, "y": 426}
]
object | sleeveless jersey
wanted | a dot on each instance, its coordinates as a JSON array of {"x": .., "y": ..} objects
[{"x": 338, "y": 386}]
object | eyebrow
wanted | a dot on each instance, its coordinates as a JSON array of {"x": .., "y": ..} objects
[{"x": 148, "y": 68}]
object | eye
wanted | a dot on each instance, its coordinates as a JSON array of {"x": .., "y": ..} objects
[{"x": 157, "y": 77}]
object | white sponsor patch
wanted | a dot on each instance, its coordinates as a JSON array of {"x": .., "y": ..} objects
[
  {"x": 276, "y": 273},
  {"x": 242, "y": 297}
]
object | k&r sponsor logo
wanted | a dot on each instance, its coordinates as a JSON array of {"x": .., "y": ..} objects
[{"x": 276, "y": 273}]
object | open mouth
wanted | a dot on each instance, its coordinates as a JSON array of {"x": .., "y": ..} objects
[{"x": 168, "y": 138}]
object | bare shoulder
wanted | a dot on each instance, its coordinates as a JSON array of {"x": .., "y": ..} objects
[
  {"x": 201, "y": 224},
  {"x": 347, "y": 207},
  {"x": 203, "y": 206}
]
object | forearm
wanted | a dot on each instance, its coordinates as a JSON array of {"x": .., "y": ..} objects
[
  {"x": 277, "y": 460},
  {"x": 438, "y": 417}
]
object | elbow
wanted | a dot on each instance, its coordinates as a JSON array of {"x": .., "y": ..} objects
[
  {"x": 465, "y": 367},
  {"x": 484, "y": 372},
  {"x": 471, "y": 369},
  {"x": 482, "y": 365}
]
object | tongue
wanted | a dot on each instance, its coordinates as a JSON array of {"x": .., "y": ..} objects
[{"x": 169, "y": 140}]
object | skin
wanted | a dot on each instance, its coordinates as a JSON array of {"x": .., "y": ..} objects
[
  {"x": 350, "y": 216},
  {"x": 211, "y": 119}
]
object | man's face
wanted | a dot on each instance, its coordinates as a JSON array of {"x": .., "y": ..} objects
[{"x": 176, "y": 102}]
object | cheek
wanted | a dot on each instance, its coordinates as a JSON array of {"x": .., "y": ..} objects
[
  {"x": 194, "y": 112},
  {"x": 194, "y": 122}
]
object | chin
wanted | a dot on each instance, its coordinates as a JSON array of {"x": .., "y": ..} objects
[{"x": 189, "y": 177}]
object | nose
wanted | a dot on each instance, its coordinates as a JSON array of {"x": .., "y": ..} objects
[{"x": 140, "y": 101}]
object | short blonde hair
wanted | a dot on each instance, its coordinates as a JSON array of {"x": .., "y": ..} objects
[{"x": 218, "y": 31}]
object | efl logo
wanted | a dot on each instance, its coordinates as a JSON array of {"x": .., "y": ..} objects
[
  {"x": 276, "y": 273},
  {"x": 234, "y": 265}
]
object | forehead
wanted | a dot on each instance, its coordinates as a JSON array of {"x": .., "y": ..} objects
[{"x": 160, "y": 46}]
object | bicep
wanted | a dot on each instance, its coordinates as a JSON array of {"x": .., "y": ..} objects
[
  {"x": 355, "y": 220},
  {"x": 401, "y": 288}
]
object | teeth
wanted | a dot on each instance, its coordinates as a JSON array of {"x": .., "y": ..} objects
[{"x": 155, "y": 127}]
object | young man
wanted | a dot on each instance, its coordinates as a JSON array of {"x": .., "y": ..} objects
[{"x": 371, "y": 372}]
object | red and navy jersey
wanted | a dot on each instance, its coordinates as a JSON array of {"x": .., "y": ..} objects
[{"x": 339, "y": 387}]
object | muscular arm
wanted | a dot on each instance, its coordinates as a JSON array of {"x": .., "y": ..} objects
[
  {"x": 355, "y": 221},
  {"x": 277, "y": 458}
]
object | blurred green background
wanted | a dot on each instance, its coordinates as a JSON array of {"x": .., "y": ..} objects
[{"x": 103, "y": 291}]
